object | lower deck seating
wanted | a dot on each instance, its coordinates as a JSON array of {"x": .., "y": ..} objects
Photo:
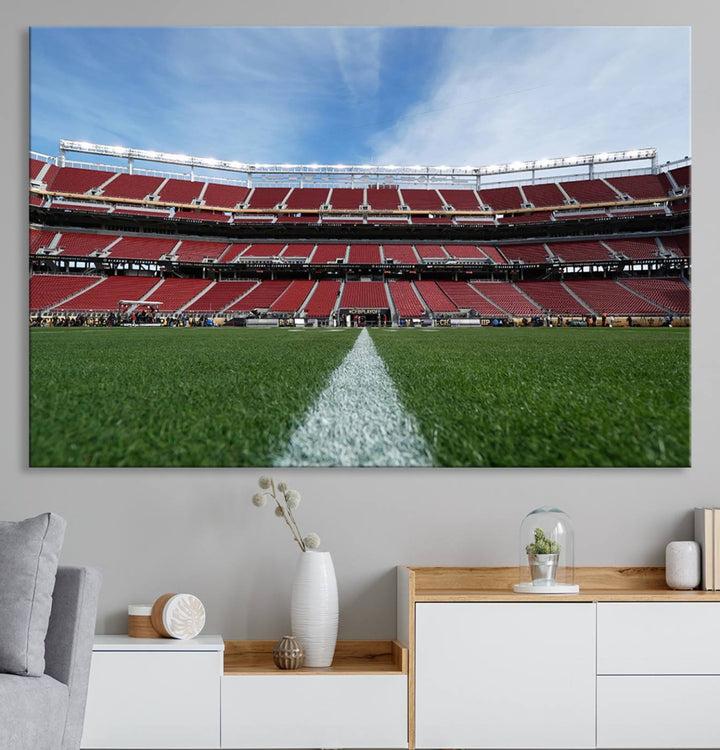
[
  {"x": 670, "y": 293},
  {"x": 431, "y": 252},
  {"x": 364, "y": 254},
  {"x": 291, "y": 300},
  {"x": 220, "y": 296},
  {"x": 323, "y": 299},
  {"x": 467, "y": 298},
  {"x": 407, "y": 303},
  {"x": 48, "y": 291},
  {"x": 364, "y": 295},
  {"x": 553, "y": 297},
  {"x": 261, "y": 297},
  {"x": 602, "y": 295},
  {"x": 508, "y": 297},
  {"x": 328, "y": 254},
  {"x": 106, "y": 296},
  {"x": 400, "y": 254},
  {"x": 173, "y": 294},
  {"x": 435, "y": 299}
]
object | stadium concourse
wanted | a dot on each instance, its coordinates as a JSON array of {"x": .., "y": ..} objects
[{"x": 576, "y": 241}]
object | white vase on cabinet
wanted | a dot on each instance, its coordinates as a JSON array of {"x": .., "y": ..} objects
[{"x": 314, "y": 607}]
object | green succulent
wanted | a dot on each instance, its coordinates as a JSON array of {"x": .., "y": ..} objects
[{"x": 542, "y": 545}]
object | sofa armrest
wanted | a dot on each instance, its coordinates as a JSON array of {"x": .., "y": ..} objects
[{"x": 69, "y": 641}]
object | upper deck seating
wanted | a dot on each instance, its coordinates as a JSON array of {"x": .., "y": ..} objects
[
  {"x": 501, "y": 198},
  {"x": 507, "y": 296},
  {"x": 435, "y": 299},
  {"x": 640, "y": 248},
  {"x": 590, "y": 191},
  {"x": 180, "y": 191},
  {"x": 328, "y": 254},
  {"x": 174, "y": 294},
  {"x": 307, "y": 199},
  {"x": 400, "y": 253},
  {"x": 261, "y": 297},
  {"x": 678, "y": 244},
  {"x": 81, "y": 245},
  {"x": 224, "y": 196},
  {"x": 142, "y": 248},
  {"x": 460, "y": 200},
  {"x": 267, "y": 197},
  {"x": 553, "y": 297},
  {"x": 431, "y": 252},
  {"x": 298, "y": 250},
  {"x": 323, "y": 299},
  {"x": 422, "y": 200},
  {"x": 263, "y": 250},
  {"x": 383, "y": 199},
  {"x": 35, "y": 167},
  {"x": 106, "y": 296},
  {"x": 346, "y": 199},
  {"x": 469, "y": 252},
  {"x": 682, "y": 175},
  {"x": 48, "y": 291},
  {"x": 291, "y": 300},
  {"x": 605, "y": 295},
  {"x": 220, "y": 296},
  {"x": 364, "y": 254},
  {"x": 195, "y": 251},
  {"x": 494, "y": 254},
  {"x": 132, "y": 186},
  {"x": 670, "y": 293},
  {"x": 640, "y": 186},
  {"x": 467, "y": 298},
  {"x": 407, "y": 303},
  {"x": 77, "y": 181},
  {"x": 527, "y": 252},
  {"x": 40, "y": 238},
  {"x": 200, "y": 215},
  {"x": 364, "y": 294},
  {"x": 578, "y": 252},
  {"x": 547, "y": 194}
]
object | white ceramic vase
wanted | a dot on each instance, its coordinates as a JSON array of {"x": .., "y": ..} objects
[
  {"x": 314, "y": 607},
  {"x": 682, "y": 565}
]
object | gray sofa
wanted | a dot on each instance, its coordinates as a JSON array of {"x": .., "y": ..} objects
[{"x": 47, "y": 712}]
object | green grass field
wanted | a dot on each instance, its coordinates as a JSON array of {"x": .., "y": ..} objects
[{"x": 232, "y": 397}]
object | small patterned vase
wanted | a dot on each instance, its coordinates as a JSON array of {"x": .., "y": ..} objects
[{"x": 288, "y": 653}]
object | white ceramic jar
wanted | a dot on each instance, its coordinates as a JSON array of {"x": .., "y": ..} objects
[{"x": 682, "y": 565}]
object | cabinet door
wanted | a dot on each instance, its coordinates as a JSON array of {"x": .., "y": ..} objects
[
  {"x": 153, "y": 699},
  {"x": 497, "y": 675}
]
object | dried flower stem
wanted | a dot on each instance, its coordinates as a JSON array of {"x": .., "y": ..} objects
[{"x": 287, "y": 516}]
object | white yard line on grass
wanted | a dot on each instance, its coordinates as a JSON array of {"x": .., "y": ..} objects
[{"x": 358, "y": 419}]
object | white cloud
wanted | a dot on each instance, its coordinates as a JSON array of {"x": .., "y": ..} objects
[{"x": 515, "y": 94}]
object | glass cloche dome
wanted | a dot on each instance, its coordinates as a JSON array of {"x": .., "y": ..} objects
[{"x": 546, "y": 553}]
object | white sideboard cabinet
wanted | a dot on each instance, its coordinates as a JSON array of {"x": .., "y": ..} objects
[
  {"x": 154, "y": 693},
  {"x": 626, "y": 663}
]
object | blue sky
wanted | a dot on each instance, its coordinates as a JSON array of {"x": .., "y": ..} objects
[{"x": 353, "y": 95}]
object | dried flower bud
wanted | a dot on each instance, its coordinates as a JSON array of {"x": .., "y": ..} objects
[
  {"x": 282, "y": 486},
  {"x": 292, "y": 498},
  {"x": 312, "y": 540},
  {"x": 279, "y": 512},
  {"x": 265, "y": 482},
  {"x": 258, "y": 499}
]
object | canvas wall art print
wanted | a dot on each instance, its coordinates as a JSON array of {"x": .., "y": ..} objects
[{"x": 372, "y": 247}]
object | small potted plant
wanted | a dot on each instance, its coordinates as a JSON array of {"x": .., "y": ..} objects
[{"x": 543, "y": 555}]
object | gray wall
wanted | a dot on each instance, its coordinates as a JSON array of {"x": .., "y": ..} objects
[{"x": 153, "y": 531}]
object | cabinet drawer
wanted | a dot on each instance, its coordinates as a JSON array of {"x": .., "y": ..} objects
[
  {"x": 658, "y": 638},
  {"x": 153, "y": 700},
  {"x": 658, "y": 711},
  {"x": 309, "y": 711}
]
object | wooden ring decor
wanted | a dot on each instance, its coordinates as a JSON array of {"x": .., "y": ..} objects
[{"x": 179, "y": 616}]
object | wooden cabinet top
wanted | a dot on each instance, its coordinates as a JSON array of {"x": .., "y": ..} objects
[{"x": 597, "y": 584}]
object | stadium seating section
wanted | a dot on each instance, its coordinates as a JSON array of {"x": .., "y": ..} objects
[
  {"x": 364, "y": 254},
  {"x": 48, "y": 291},
  {"x": 106, "y": 296},
  {"x": 507, "y": 297},
  {"x": 323, "y": 299},
  {"x": 293, "y": 297},
  {"x": 400, "y": 253},
  {"x": 328, "y": 254},
  {"x": 671, "y": 294},
  {"x": 407, "y": 303},
  {"x": 554, "y": 297},
  {"x": 590, "y": 191},
  {"x": 132, "y": 186},
  {"x": 173, "y": 294},
  {"x": 364, "y": 295},
  {"x": 467, "y": 297},
  {"x": 220, "y": 296},
  {"x": 261, "y": 297},
  {"x": 347, "y": 199},
  {"x": 548, "y": 194},
  {"x": 602, "y": 296},
  {"x": 435, "y": 299}
]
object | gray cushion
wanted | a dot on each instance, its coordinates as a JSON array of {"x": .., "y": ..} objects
[
  {"x": 32, "y": 712},
  {"x": 29, "y": 552}
]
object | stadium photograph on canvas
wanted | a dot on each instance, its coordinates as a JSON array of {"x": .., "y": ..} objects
[{"x": 365, "y": 247}]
